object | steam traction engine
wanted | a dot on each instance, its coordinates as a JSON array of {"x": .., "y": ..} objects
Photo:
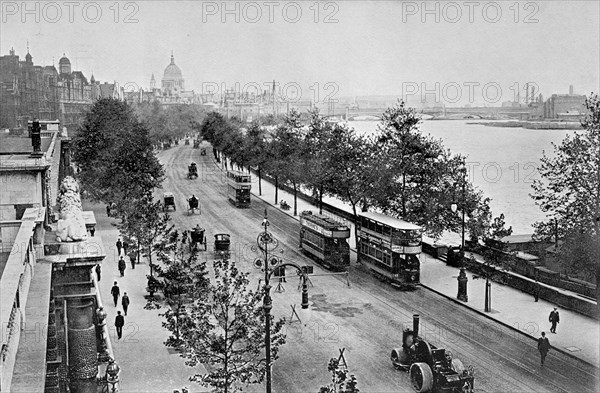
[{"x": 431, "y": 368}]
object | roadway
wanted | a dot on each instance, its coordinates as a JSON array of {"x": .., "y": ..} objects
[{"x": 367, "y": 318}]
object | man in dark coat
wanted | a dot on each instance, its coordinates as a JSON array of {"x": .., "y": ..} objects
[
  {"x": 122, "y": 266},
  {"x": 115, "y": 292},
  {"x": 554, "y": 319},
  {"x": 125, "y": 302},
  {"x": 543, "y": 346},
  {"x": 119, "y": 323},
  {"x": 119, "y": 246},
  {"x": 98, "y": 270},
  {"x": 125, "y": 247},
  {"x": 132, "y": 258}
]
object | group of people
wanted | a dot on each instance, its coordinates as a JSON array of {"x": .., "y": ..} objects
[
  {"x": 122, "y": 247},
  {"x": 543, "y": 342},
  {"x": 120, "y": 319}
]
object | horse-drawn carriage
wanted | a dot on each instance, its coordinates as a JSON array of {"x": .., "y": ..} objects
[
  {"x": 222, "y": 243},
  {"x": 187, "y": 141},
  {"x": 193, "y": 204},
  {"x": 196, "y": 143},
  {"x": 203, "y": 152},
  {"x": 192, "y": 171},
  {"x": 168, "y": 200},
  {"x": 197, "y": 238}
]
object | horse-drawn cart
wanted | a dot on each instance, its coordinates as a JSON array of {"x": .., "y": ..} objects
[
  {"x": 196, "y": 143},
  {"x": 222, "y": 243},
  {"x": 168, "y": 200},
  {"x": 193, "y": 204},
  {"x": 197, "y": 238},
  {"x": 192, "y": 171}
]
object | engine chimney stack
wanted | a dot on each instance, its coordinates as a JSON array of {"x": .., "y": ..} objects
[{"x": 415, "y": 325}]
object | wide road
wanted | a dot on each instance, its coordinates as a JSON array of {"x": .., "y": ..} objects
[{"x": 367, "y": 318}]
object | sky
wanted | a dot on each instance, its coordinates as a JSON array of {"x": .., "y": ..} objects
[{"x": 454, "y": 52}]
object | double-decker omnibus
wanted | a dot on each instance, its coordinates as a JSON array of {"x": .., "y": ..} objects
[
  {"x": 324, "y": 239},
  {"x": 390, "y": 247},
  {"x": 238, "y": 188}
]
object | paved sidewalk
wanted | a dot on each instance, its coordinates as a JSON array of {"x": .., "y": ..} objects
[
  {"x": 577, "y": 335},
  {"x": 146, "y": 364}
]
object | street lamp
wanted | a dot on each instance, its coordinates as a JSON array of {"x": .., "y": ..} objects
[
  {"x": 267, "y": 243},
  {"x": 462, "y": 276},
  {"x": 111, "y": 376}
]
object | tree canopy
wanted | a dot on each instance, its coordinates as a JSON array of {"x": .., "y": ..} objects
[
  {"x": 569, "y": 192},
  {"x": 114, "y": 154}
]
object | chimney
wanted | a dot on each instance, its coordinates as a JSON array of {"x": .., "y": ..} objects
[
  {"x": 415, "y": 325},
  {"x": 36, "y": 138},
  {"x": 570, "y": 90}
]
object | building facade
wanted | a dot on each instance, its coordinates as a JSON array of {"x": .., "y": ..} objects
[{"x": 29, "y": 91}]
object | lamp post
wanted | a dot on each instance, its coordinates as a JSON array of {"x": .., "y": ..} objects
[
  {"x": 267, "y": 243},
  {"x": 462, "y": 276}
]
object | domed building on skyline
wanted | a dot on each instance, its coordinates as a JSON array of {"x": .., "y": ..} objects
[
  {"x": 172, "y": 81},
  {"x": 172, "y": 88}
]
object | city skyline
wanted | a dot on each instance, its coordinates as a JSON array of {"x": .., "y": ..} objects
[{"x": 469, "y": 56}]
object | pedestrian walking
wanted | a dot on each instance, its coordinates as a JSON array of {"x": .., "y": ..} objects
[
  {"x": 119, "y": 323},
  {"x": 108, "y": 210},
  {"x": 122, "y": 266},
  {"x": 536, "y": 291},
  {"x": 115, "y": 292},
  {"x": 125, "y": 247},
  {"x": 125, "y": 302},
  {"x": 92, "y": 231},
  {"x": 554, "y": 319},
  {"x": 132, "y": 258},
  {"x": 119, "y": 246},
  {"x": 98, "y": 271},
  {"x": 543, "y": 347}
]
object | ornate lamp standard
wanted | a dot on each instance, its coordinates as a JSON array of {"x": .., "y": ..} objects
[
  {"x": 267, "y": 243},
  {"x": 462, "y": 276}
]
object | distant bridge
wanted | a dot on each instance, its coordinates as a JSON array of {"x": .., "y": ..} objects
[{"x": 474, "y": 112}]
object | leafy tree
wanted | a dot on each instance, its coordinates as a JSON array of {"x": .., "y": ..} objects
[
  {"x": 569, "y": 191},
  {"x": 286, "y": 161},
  {"x": 315, "y": 150},
  {"x": 256, "y": 146},
  {"x": 340, "y": 382},
  {"x": 115, "y": 155},
  {"x": 350, "y": 159},
  {"x": 225, "y": 331},
  {"x": 181, "y": 279},
  {"x": 142, "y": 220}
]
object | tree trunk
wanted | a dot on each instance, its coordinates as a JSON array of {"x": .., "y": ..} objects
[
  {"x": 259, "y": 182},
  {"x": 321, "y": 199}
]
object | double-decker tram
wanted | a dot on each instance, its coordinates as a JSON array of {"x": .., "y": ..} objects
[
  {"x": 324, "y": 239},
  {"x": 390, "y": 247},
  {"x": 238, "y": 188}
]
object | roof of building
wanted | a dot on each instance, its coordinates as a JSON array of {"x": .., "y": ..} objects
[
  {"x": 64, "y": 60},
  {"x": 172, "y": 71},
  {"x": 10, "y": 144}
]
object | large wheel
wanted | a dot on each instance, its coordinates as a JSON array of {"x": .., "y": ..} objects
[
  {"x": 421, "y": 377},
  {"x": 457, "y": 366},
  {"x": 399, "y": 358}
]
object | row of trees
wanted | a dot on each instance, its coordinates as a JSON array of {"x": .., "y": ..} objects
[
  {"x": 214, "y": 319},
  {"x": 171, "y": 122},
  {"x": 398, "y": 169}
]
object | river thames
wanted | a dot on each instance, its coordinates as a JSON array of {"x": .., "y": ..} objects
[{"x": 502, "y": 162}]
